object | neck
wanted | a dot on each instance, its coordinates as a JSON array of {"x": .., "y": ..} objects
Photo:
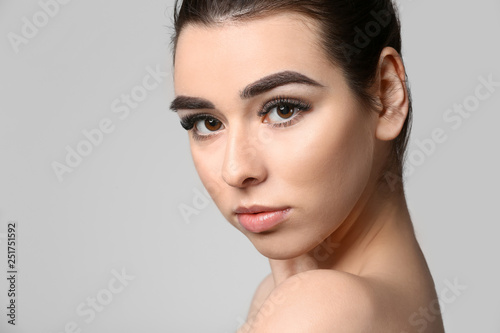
[{"x": 379, "y": 218}]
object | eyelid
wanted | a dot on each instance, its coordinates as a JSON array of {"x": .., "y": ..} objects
[
  {"x": 188, "y": 122},
  {"x": 297, "y": 103}
]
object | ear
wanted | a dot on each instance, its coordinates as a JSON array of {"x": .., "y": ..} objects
[{"x": 391, "y": 86}]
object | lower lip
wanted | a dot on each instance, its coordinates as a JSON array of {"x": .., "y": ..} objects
[{"x": 264, "y": 221}]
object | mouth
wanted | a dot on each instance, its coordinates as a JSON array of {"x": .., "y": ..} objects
[{"x": 258, "y": 219}]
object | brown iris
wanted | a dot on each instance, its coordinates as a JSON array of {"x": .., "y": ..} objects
[
  {"x": 285, "y": 111},
  {"x": 213, "y": 124}
]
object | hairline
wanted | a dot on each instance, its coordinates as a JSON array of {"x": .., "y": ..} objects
[{"x": 307, "y": 19}]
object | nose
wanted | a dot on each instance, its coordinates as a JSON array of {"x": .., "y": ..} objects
[{"x": 243, "y": 164}]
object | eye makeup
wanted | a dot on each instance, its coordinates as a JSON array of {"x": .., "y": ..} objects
[
  {"x": 281, "y": 104},
  {"x": 188, "y": 122},
  {"x": 275, "y": 105}
]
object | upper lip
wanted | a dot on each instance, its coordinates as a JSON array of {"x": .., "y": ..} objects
[{"x": 257, "y": 209}]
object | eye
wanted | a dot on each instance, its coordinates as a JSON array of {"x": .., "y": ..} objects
[
  {"x": 208, "y": 126},
  {"x": 202, "y": 126},
  {"x": 283, "y": 111}
]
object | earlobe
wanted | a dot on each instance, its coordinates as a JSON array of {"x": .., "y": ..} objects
[{"x": 393, "y": 95}]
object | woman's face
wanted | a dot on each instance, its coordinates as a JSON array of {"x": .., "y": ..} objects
[{"x": 299, "y": 141}]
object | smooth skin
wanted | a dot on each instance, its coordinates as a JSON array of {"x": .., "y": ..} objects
[{"x": 346, "y": 259}]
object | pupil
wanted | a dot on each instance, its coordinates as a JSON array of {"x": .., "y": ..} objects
[{"x": 285, "y": 111}]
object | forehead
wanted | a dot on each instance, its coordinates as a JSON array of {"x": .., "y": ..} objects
[{"x": 233, "y": 54}]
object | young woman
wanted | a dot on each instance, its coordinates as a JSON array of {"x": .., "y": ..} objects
[{"x": 298, "y": 114}]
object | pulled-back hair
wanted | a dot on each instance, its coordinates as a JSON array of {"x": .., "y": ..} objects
[{"x": 352, "y": 33}]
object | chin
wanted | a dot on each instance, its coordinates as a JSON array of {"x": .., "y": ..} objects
[{"x": 281, "y": 245}]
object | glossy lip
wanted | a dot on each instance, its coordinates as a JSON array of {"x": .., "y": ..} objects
[{"x": 258, "y": 219}]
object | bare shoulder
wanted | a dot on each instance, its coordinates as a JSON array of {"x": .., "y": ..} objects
[
  {"x": 264, "y": 289},
  {"x": 318, "y": 301}
]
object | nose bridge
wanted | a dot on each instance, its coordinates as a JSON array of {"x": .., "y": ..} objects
[{"x": 241, "y": 159}]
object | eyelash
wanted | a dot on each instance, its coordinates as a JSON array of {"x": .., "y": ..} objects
[{"x": 188, "y": 122}]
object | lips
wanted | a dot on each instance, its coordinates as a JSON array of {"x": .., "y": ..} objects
[{"x": 258, "y": 219}]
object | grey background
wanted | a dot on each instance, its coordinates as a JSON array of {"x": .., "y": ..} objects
[{"x": 120, "y": 208}]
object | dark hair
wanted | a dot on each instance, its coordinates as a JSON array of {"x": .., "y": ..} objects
[{"x": 353, "y": 34}]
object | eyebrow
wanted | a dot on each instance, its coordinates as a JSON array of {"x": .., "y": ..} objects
[{"x": 261, "y": 86}]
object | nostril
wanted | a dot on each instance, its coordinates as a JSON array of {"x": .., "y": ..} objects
[{"x": 250, "y": 181}]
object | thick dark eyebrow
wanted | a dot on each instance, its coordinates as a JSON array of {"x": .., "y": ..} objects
[
  {"x": 276, "y": 80},
  {"x": 190, "y": 103},
  {"x": 261, "y": 86}
]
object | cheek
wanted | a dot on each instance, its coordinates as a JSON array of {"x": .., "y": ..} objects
[
  {"x": 328, "y": 164},
  {"x": 208, "y": 166}
]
